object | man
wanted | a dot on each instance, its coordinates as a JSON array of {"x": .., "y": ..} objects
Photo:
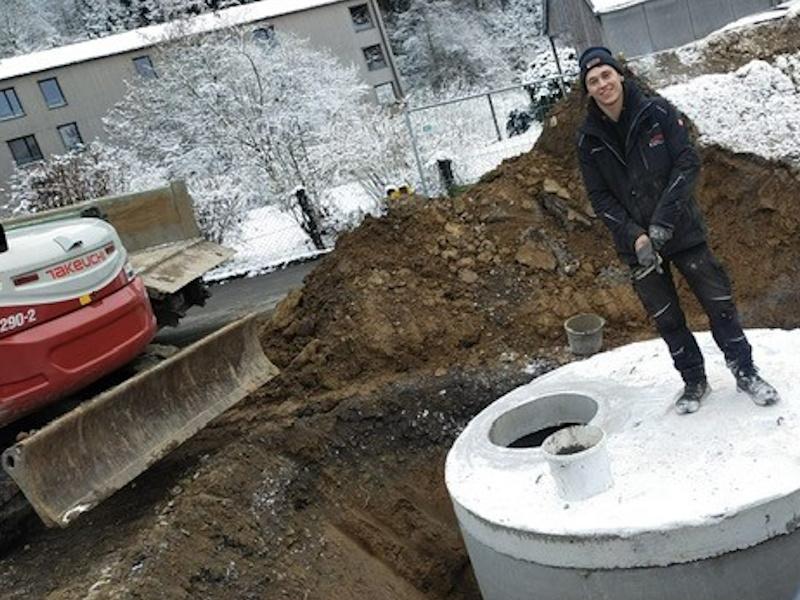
[{"x": 639, "y": 168}]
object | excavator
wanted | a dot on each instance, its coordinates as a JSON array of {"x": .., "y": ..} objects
[{"x": 83, "y": 290}]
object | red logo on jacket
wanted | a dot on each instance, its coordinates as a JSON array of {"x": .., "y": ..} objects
[{"x": 656, "y": 139}]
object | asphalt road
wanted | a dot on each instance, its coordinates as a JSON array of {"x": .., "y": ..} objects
[{"x": 234, "y": 299}]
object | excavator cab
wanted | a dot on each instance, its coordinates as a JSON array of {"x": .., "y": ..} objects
[{"x": 71, "y": 310}]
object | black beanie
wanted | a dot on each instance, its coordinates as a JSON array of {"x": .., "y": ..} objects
[{"x": 594, "y": 56}]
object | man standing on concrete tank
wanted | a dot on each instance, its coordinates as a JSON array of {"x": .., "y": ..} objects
[{"x": 639, "y": 168}]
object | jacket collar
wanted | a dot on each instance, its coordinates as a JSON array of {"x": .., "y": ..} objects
[{"x": 635, "y": 103}]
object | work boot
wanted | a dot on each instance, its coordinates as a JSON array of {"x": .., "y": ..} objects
[
  {"x": 693, "y": 394},
  {"x": 749, "y": 381}
]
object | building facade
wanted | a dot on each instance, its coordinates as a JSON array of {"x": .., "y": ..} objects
[
  {"x": 638, "y": 27},
  {"x": 53, "y": 101}
]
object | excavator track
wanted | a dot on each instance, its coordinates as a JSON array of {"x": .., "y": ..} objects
[{"x": 15, "y": 512}]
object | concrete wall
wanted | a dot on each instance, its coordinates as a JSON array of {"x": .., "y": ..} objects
[
  {"x": 92, "y": 88},
  {"x": 645, "y": 27},
  {"x": 660, "y": 24}
]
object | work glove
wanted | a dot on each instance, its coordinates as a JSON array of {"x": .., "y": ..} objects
[
  {"x": 649, "y": 261},
  {"x": 659, "y": 235},
  {"x": 646, "y": 254}
]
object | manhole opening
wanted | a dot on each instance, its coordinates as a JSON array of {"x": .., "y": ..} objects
[
  {"x": 529, "y": 424},
  {"x": 535, "y": 438}
]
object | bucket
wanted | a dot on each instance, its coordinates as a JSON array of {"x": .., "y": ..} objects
[
  {"x": 578, "y": 461},
  {"x": 585, "y": 333}
]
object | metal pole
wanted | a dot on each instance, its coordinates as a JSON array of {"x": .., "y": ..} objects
[
  {"x": 494, "y": 118},
  {"x": 416, "y": 151},
  {"x": 558, "y": 66},
  {"x": 481, "y": 94}
]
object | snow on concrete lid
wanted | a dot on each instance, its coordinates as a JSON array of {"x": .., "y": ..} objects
[
  {"x": 145, "y": 37},
  {"x": 685, "y": 487}
]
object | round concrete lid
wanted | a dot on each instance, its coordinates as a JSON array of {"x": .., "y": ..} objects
[{"x": 686, "y": 487}]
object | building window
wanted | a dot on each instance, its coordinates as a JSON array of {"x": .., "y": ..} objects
[
  {"x": 361, "y": 18},
  {"x": 25, "y": 150},
  {"x": 144, "y": 67},
  {"x": 10, "y": 108},
  {"x": 264, "y": 34},
  {"x": 52, "y": 93},
  {"x": 71, "y": 136},
  {"x": 385, "y": 93},
  {"x": 374, "y": 57}
]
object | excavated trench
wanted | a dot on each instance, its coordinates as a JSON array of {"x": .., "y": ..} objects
[{"x": 328, "y": 483}]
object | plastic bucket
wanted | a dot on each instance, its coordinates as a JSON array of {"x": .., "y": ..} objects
[
  {"x": 578, "y": 461},
  {"x": 585, "y": 333}
]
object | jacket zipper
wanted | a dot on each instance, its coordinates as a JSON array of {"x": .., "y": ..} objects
[
  {"x": 614, "y": 152},
  {"x": 634, "y": 123}
]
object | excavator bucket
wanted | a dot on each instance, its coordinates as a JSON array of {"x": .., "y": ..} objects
[{"x": 75, "y": 462}]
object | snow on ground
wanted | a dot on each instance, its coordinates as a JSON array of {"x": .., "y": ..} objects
[
  {"x": 755, "y": 109},
  {"x": 270, "y": 238},
  {"x": 485, "y": 159}
]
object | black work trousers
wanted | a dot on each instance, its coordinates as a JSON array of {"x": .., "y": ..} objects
[{"x": 711, "y": 285}]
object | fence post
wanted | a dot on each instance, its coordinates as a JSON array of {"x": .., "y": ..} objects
[
  {"x": 558, "y": 66},
  {"x": 445, "y": 166},
  {"x": 311, "y": 218},
  {"x": 422, "y": 181},
  {"x": 494, "y": 118}
]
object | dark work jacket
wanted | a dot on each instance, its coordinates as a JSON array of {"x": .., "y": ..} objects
[{"x": 648, "y": 181}]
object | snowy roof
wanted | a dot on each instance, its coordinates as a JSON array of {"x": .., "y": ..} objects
[
  {"x": 144, "y": 37},
  {"x": 606, "y": 6}
]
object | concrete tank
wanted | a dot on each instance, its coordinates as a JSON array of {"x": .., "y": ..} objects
[{"x": 703, "y": 506}]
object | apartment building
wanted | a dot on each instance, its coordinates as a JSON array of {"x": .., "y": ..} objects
[{"x": 54, "y": 100}]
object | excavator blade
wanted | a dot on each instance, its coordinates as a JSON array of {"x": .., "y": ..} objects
[{"x": 75, "y": 462}]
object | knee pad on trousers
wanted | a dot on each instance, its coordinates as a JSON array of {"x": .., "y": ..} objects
[
  {"x": 669, "y": 318},
  {"x": 723, "y": 314}
]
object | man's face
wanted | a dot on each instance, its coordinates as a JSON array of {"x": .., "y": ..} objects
[{"x": 604, "y": 84}]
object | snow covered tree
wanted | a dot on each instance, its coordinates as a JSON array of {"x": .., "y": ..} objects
[
  {"x": 66, "y": 179},
  {"x": 437, "y": 45},
  {"x": 26, "y": 26},
  {"x": 442, "y": 43},
  {"x": 275, "y": 114}
]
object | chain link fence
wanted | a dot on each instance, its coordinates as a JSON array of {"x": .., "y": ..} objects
[{"x": 456, "y": 141}]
